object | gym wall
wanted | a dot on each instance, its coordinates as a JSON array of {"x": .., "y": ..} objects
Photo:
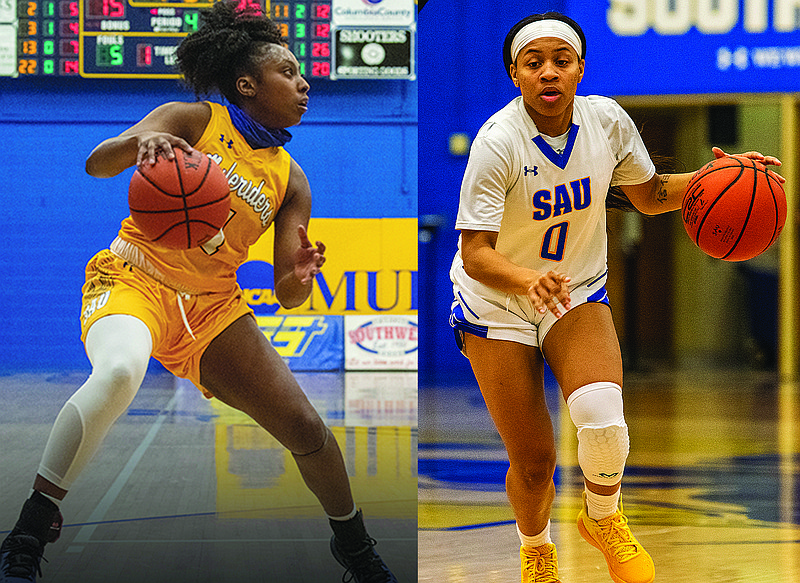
[{"x": 357, "y": 146}]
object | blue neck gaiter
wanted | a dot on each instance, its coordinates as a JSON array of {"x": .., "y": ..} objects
[{"x": 257, "y": 136}]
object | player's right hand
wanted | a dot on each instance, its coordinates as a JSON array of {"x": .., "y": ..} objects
[
  {"x": 550, "y": 291},
  {"x": 151, "y": 144}
]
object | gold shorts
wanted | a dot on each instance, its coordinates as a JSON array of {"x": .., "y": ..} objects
[{"x": 181, "y": 325}]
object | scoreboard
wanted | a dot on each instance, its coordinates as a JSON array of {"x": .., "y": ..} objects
[{"x": 138, "y": 38}]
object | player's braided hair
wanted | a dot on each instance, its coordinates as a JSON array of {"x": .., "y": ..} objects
[
  {"x": 616, "y": 199},
  {"x": 230, "y": 43}
]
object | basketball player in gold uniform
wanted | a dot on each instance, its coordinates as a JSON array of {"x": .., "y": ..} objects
[{"x": 185, "y": 308}]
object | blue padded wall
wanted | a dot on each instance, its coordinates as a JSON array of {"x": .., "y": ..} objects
[{"x": 357, "y": 145}]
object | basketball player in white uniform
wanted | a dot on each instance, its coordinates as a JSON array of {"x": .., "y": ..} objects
[{"x": 529, "y": 284}]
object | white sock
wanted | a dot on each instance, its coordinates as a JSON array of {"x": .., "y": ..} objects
[
  {"x": 599, "y": 507},
  {"x": 346, "y": 516},
  {"x": 537, "y": 540}
]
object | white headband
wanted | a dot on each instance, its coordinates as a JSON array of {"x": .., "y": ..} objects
[{"x": 545, "y": 28}]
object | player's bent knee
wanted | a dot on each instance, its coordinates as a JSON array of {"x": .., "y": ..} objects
[
  {"x": 307, "y": 427},
  {"x": 535, "y": 472},
  {"x": 596, "y": 405},
  {"x": 124, "y": 376},
  {"x": 603, "y": 441},
  {"x": 315, "y": 448},
  {"x": 121, "y": 381}
]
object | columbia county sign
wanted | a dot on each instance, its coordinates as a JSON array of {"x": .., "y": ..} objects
[
  {"x": 654, "y": 47},
  {"x": 373, "y": 39}
]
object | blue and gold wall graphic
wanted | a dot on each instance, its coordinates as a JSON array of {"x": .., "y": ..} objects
[{"x": 371, "y": 270}]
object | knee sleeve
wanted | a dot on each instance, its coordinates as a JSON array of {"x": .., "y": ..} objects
[
  {"x": 83, "y": 423},
  {"x": 87, "y": 416},
  {"x": 596, "y": 410}
]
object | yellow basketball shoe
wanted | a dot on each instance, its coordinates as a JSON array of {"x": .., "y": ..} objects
[
  {"x": 627, "y": 560},
  {"x": 539, "y": 565}
]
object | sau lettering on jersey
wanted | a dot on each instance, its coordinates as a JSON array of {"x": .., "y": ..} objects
[
  {"x": 546, "y": 205},
  {"x": 556, "y": 203}
]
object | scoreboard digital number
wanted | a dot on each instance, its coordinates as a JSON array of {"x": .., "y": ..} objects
[{"x": 138, "y": 39}]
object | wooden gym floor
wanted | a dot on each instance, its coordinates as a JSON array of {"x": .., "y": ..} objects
[
  {"x": 712, "y": 485},
  {"x": 186, "y": 490}
]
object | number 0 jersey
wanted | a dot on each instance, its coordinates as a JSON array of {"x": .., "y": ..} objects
[
  {"x": 548, "y": 207},
  {"x": 258, "y": 180}
]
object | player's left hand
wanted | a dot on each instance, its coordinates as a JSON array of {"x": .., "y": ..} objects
[
  {"x": 757, "y": 156},
  {"x": 550, "y": 291},
  {"x": 309, "y": 259}
]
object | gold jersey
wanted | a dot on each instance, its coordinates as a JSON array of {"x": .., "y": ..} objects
[{"x": 258, "y": 181}]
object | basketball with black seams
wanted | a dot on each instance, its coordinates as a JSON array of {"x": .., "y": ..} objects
[
  {"x": 734, "y": 208},
  {"x": 180, "y": 203}
]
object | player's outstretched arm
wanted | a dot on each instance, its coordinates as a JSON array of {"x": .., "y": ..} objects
[
  {"x": 664, "y": 192},
  {"x": 172, "y": 125},
  {"x": 661, "y": 194}
]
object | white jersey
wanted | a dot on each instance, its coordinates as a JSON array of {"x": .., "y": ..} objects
[{"x": 549, "y": 208}]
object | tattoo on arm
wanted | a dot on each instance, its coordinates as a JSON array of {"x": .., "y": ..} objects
[{"x": 661, "y": 196}]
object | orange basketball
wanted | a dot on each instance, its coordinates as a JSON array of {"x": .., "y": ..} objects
[
  {"x": 179, "y": 203},
  {"x": 733, "y": 208}
]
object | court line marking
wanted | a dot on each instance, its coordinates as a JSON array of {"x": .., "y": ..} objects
[
  {"x": 738, "y": 542},
  {"x": 470, "y": 526},
  {"x": 97, "y": 515},
  {"x": 235, "y": 540}
]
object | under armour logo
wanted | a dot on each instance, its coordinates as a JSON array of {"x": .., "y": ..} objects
[
  {"x": 229, "y": 143},
  {"x": 535, "y": 170}
]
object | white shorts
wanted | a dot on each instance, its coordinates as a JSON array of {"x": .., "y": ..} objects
[{"x": 516, "y": 320}]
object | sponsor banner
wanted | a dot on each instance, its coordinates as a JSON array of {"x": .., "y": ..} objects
[
  {"x": 689, "y": 46},
  {"x": 380, "y": 399},
  {"x": 8, "y": 43},
  {"x": 373, "y": 53},
  {"x": 381, "y": 342},
  {"x": 306, "y": 343},
  {"x": 371, "y": 268},
  {"x": 372, "y": 12}
]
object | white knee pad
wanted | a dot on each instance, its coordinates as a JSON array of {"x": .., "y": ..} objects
[{"x": 596, "y": 410}]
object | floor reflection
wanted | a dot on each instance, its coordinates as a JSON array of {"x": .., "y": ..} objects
[{"x": 711, "y": 487}]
